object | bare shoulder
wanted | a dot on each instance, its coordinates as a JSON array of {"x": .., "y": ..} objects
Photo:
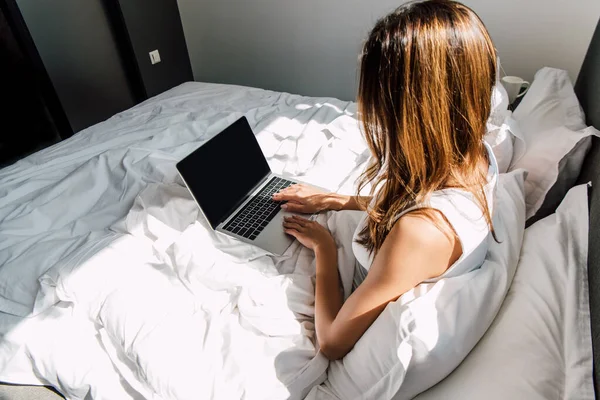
[
  {"x": 421, "y": 245},
  {"x": 425, "y": 227}
]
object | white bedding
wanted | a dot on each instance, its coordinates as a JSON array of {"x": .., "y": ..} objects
[
  {"x": 102, "y": 249},
  {"x": 113, "y": 287}
]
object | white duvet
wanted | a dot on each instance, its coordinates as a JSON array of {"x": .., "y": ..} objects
[{"x": 112, "y": 286}]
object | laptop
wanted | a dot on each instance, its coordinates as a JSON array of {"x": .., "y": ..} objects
[{"x": 232, "y": 183}]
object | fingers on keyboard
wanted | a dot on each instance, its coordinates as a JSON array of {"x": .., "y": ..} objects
[{"x": 253, "y": 218}]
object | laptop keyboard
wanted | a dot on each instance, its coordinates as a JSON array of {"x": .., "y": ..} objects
[{"x": 250, "y": 221}]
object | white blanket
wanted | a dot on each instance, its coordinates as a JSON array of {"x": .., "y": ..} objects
[
  {"x": 114, "y": 287},
  {"x": 184, "y": 319}
]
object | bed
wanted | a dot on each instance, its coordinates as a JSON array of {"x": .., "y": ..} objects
[{"x": 124, "y": 197}]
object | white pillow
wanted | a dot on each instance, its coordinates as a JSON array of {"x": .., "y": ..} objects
[
  {"x": 498, "y": 135},
  {"x": 419, "y": 339},
  {"x": 569, "y": 168},
  {"x": 539, "y": 346},
  {"x": 552, "y": 139}
]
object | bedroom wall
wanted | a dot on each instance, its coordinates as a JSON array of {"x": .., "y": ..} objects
[
  {"x": 26, "y": 124},
  {"x": 94, "y": 54},
  {"x": 81, "y": 56},
  {"x": 153, "y": 26},
  {"x": 311, "y": 46}
]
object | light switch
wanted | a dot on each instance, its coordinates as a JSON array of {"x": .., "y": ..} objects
[{"x": 154, "y": 57}]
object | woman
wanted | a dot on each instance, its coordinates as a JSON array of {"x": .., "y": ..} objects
[{"x": 427, "y": 75}]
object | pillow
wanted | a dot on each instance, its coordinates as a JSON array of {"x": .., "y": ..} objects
[
  {"x": 569, "y": 168},
  {"x": 552, "y": 140},
  {"x": 539, "y": 345},
  {"x": 419, "y": 339},
  {"x": 498, "y": 134}
]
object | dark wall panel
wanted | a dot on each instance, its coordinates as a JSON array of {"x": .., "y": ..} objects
[
  {"x": 80, "y": 53},
  {"x": 26, "y": 124},
  {"x": 156, "y": 25}
]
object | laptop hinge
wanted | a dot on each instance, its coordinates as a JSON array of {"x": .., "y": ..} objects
[{"x": 239, "y": 203}]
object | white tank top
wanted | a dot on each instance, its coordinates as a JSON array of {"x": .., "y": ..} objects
[{"x": 462, "y": 211}]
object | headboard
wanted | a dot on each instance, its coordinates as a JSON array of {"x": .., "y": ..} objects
[{"x": 587, "y": 88}]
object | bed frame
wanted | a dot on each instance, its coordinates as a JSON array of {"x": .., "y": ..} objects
[{"x": 587, "y": 88}]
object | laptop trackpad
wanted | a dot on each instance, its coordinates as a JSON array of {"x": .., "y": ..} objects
[{"x": 273, "y": 238}]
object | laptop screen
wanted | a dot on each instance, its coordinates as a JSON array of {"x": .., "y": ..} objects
[{"x": 220, "y": 173}]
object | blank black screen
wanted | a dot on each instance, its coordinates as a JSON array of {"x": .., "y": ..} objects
[{"x": 222, "y": 171}]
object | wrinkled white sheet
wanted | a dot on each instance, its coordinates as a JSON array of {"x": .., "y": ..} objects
[{"x": 97, "y": 231}]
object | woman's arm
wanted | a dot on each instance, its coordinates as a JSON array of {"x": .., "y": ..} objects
[
  {"x": 415, "y": 250},
  {"x": 339, "y": 202},
  {"x": 307, "y": 199},
  {"x": 328, "y": 297}
]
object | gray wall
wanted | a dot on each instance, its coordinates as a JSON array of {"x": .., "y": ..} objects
[
  {"x": 76, "y": 44},
  {"x": 311, "y": 46},
  {"x": 156, "y": 25}
]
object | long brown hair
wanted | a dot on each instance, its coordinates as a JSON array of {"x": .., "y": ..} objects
[{"x": 426, "y": 79}]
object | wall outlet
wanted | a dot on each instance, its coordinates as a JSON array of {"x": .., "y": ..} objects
[{"x": 154, "y": 57}]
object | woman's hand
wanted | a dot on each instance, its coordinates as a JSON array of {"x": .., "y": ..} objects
[
  {"x": 303, "y": 198},
  {"x": 310, "y": 233}
]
